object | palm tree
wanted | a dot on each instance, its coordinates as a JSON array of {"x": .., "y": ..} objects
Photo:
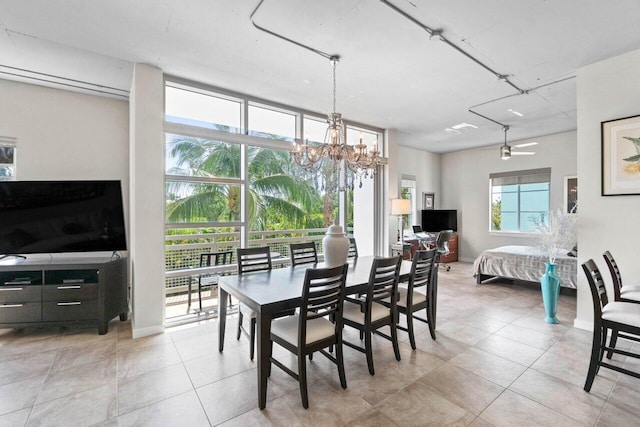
[{"x": 276, "y": 191}]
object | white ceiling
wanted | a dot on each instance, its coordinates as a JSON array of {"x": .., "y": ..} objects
[{"x": 391, "y": 74}]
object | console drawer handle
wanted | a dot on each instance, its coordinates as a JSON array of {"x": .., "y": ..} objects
[
  {"x": 69, "y": 287},
  {"x": 70, "y": 303},
  {"x": 11, "y": 289},
  {"x": 73, "y": 281},
  {"x": 18, "y": 282},
  {"x": 10, "y": 305}
]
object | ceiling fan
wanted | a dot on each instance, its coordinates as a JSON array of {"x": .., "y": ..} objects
[{"x": 506, "y": 150}]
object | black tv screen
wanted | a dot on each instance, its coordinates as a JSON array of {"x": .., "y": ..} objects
[
  {"x": 61, "y": 216},
  {"x": 438, "y": 220}
]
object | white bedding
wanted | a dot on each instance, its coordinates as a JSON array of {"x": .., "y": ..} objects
[{"x": 523, "y": 263}]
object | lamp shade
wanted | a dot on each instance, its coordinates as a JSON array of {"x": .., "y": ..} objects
[{"x": 400, "y": 206}]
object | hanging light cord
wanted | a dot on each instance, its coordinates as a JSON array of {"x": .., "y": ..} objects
[{"x": 309, "y": 48}]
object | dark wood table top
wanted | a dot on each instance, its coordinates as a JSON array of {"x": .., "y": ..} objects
[{"x": 279, "y": 289}]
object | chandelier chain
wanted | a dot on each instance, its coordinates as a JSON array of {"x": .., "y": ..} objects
[{"x": 334, "y": 61}]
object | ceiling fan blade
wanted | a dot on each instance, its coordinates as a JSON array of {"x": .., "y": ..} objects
[
  {"x": 522, "y": 153},
  {"x": 526, "y": 144}
]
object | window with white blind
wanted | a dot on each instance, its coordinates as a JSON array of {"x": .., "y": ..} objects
[{"x": 519, "y": 199}]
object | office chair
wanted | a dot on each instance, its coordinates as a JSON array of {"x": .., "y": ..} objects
[{"x": 442, "y": 245}]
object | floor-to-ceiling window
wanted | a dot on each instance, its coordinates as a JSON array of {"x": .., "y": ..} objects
[{"x": 231, "y": 182}]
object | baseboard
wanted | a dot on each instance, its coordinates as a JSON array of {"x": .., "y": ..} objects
[
  {"x": 466, "y": 259},
  {"x": 583, "y": 324},
  {"x": 145, "y": 332}
]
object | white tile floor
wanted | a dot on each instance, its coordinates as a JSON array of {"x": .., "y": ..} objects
[{"x": 495, "y": 362}]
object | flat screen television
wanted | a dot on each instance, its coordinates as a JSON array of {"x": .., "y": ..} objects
[
  {"x": 61, "y": 216},
  {"x": 438, "y": 220}
]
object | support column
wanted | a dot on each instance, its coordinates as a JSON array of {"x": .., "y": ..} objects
[{"x": 146, "y": 171}]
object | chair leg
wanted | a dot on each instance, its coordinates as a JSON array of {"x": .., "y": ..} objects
[
  {"x": 252, "y": 338},
  {"x": 200, "y": 296},
  {"x": 189, "y": 296},
  {"x": 361, "y": 335},
  {"x": 593, "y": 364},
  {"x": 240, "y": 316},
  {"x": 302, "y": 377},
  {"x": 394, "y": 340},
  {"x": 340, "y": 360},
  {"x": 369, "y": 351},
  {"x": 412, "y": 337},
  {"x": 431, "y": 322},
  {"x": 612, "y": 343},
  {"x": 270, "y": 356}
]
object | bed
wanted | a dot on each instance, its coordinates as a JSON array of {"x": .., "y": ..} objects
[{"x": 523, "y": 263}]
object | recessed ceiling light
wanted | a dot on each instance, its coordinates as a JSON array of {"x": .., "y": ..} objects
[
  {"x": 517, "y": 113},
  {"x": 464, "y": 125}
]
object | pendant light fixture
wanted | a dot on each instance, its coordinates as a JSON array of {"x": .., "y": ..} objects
[{"x": 346, "y": 163}]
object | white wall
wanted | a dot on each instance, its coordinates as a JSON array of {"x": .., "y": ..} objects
[
  {"x": 465, "y": 186},
  {"x": 65, "y": 135},
  {"x": 607, "y": 90},
  {"x": 425, "y": 166}
]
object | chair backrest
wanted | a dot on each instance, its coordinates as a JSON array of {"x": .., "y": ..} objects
[
  {"x": 598, "y": 290},
  {"x": 616, "y": 277},
  {"x": 353, "y": 248},
  {"x": 322, "y": 295},
  {"x": 303, "y": 253},
  {"x": 383, "y": 282},
  {"x": 422, "y": 271},
  {"x": 254, "y": 259},
  {"x": 218, "y": 258},
  {"x": 442, "y": 241}
]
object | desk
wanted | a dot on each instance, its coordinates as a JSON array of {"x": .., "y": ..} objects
[{"x": 278, "y": 290}]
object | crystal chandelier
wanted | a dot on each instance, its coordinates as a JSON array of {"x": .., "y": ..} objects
[{"x": 341, "y": 163}]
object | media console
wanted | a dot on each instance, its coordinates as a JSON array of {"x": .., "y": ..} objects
[{"x": 62, "y": 291}]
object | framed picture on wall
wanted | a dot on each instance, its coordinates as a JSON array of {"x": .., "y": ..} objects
[
  {"x": 621, "y": 156},
  {"x": 7, "y": 159},
  {"x": 428, "y": 200},
  {"x": 571, "y": 194}
]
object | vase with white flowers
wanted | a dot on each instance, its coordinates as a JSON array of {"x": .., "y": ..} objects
[{"x": 557, "y": 236}]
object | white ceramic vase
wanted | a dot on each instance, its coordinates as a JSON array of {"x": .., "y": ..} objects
[{"x": 335, "y": 246}]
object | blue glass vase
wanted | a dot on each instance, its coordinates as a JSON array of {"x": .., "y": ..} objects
[{"x": 550, "y": 285}]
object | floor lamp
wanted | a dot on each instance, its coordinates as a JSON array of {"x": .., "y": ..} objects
[{"x": 400, "y": 207}]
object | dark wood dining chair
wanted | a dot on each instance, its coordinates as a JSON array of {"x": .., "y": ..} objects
[
  {"x": 318, "y": 326},
  {"x": 419, "y": 294},
  {"x": 303, "y": 253},
  {"x": 208, "y": 259},
  {"x": 622, "y": 317},
  {"x": 353, "y": 248},
  {"x": 369, "y": 313},
  {"x": 630, "y": 293},
  {"x": 251, "y": 260}
]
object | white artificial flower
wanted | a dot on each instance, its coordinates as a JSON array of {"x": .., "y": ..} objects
[{"x": 559, "y": 235}]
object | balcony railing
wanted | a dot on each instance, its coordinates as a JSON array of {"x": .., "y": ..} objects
[{"x": 182, "y": 251}]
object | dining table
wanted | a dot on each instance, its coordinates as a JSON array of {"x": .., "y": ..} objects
[{"x": 278, "y": 290}]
